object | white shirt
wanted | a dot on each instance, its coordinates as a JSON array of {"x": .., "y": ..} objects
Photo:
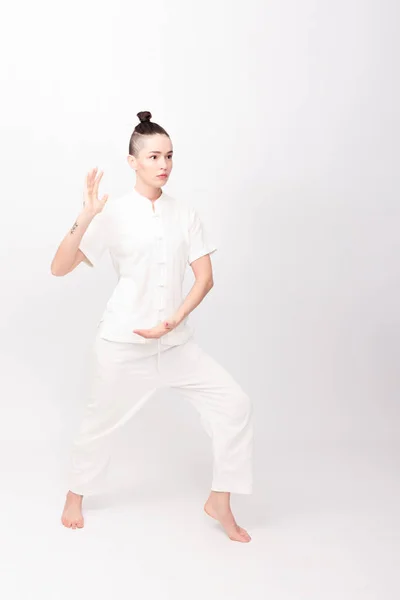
[{"x": 150, "y": 251}]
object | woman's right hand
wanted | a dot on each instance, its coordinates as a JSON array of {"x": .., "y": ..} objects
[{"x": 91, "y": 202}]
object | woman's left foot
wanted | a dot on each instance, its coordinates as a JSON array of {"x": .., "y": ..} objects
[{"x": 218, "y": 508}]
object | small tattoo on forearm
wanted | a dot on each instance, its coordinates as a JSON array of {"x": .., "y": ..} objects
[{"x": 74, "y": 226}]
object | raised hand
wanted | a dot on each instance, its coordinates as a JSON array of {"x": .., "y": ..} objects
[{"x": 91, "y": 201}]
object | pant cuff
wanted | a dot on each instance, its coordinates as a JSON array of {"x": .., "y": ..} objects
[{"x": 233, "y": 488}]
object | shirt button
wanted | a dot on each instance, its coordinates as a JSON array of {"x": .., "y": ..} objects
[{"x": 161, "y": 284}]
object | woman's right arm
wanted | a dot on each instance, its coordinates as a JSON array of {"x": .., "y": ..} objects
[{"x": 68, "y": 255}]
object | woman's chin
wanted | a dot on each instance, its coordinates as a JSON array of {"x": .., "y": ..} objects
[{"x": 161, "y": 181}]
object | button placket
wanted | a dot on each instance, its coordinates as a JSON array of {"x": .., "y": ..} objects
[{"x": 160, "y": 266}]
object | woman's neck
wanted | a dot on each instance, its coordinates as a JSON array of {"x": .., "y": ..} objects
[{"x": 150, "y": 192}]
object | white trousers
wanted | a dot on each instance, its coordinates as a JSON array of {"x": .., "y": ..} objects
[{"x": 125, "y": 375}]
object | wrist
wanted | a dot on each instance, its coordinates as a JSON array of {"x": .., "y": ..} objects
[
  {"x": 178, "y": 317},
  {"x": 87, "y": 214}
]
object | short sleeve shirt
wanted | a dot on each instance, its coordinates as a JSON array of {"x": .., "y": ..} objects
[{"x": 150, "y": 250}]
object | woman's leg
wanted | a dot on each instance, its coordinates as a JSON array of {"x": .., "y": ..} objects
[
  {"x": 226, "y": 414},
  {"x": 122, "y": 379}
]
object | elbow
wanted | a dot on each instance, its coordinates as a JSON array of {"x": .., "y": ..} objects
[
  {"x": 56, "y": 271},
  {"x": 205, "y": 283}
]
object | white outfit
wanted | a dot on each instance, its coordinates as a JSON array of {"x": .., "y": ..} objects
[{"x": 150, "y": 251}]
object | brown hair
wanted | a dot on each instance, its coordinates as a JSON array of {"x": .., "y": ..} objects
[{"x": 145, "y": 127}]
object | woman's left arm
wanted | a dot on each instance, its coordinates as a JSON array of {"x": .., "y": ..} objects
[{"x": 202, "y": 270}]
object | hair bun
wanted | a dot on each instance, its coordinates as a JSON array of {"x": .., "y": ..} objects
[{"x": 144, "y": 116}]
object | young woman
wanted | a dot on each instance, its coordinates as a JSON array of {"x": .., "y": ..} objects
[{"x": 144, "y": 340}]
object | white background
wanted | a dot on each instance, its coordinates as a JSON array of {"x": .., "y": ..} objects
[{"x": 285, "y": 124}]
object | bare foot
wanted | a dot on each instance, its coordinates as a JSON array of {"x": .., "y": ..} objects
[
  {"x": 218, "y": 507},
  {"x": 72, "y": 513}
]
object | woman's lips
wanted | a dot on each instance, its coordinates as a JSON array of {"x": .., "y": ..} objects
[{"x": 163, "y": 176}]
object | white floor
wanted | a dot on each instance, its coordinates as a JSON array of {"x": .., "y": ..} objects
[{"x": 324, "y": 522}]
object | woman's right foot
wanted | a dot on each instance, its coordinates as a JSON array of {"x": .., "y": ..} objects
[{"x": 72, "y": 513}]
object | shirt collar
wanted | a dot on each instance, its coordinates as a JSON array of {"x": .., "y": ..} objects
[{"x": 146, "y": 201}]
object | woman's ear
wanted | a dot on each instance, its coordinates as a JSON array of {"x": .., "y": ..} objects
[{"x": 131, "y": 161}]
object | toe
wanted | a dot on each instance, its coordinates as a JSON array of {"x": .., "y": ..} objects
[
  {"x": 244, "y": 534},
  {"x": 240, "y": 535}
]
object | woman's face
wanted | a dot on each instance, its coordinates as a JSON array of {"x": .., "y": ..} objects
[{"x": 153, "y": 165}]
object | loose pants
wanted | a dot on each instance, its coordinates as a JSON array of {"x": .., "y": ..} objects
[{"x": 125, "y": 375}]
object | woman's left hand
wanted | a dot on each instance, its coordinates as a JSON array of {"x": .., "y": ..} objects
[{"x": 157, "y": 331}]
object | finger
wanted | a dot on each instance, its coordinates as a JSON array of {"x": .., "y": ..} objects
[
  {"x": 142, "y": 332},
  {"x": 99, "y": 177},
  {"x": 97, "y": 181},
  {"x": 90, "y": 178}
]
